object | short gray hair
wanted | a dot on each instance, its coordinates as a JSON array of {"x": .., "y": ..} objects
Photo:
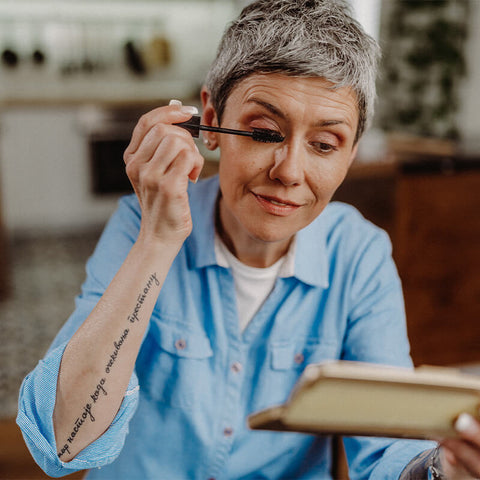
[{"x": 302, "y": 38}]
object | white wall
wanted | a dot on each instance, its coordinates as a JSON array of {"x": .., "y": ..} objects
[
  {"x": 44, "y": 164},
  {"x": 469, "y": 114},
  {"x": 45, "y": 171},
  {"x": 367, "y": 13}
]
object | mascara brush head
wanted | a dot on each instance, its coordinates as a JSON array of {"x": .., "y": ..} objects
[{"x": 266, "y": 136}]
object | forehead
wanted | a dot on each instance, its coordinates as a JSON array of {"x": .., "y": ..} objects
[{"x": 313, "y": 98}]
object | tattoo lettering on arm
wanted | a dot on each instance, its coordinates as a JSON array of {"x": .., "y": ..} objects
[
  {"x": 86, "y": 414},
  {"x": 100, "y": 391},
  {"x": 116, "y": 348},
  {"x": 141, "y": 297}
]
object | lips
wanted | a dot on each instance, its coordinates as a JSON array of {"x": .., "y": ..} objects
[
  {"x": 278, "y": 201},
  {"x": 275, "y": 205}
]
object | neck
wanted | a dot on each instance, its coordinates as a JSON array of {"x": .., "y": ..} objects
[{"x": 250, "y": 251}]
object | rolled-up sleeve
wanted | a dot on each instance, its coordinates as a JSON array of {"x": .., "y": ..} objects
[
  {"x": 35, "y": 419},
  {"x": 38, "y": 391}
]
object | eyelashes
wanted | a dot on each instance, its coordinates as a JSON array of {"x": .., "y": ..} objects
[
  {"x": 321, "y": 147},
  {"x": 324, "y": 147}
]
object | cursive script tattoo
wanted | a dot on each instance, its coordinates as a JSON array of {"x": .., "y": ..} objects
[
  {"x": 133, "y": 317},
  {"x": 116, "y": 349},
  {"x": 80, "y": 420},
  {"x": 100, "y": 390}
]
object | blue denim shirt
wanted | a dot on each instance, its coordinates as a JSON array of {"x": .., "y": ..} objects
[{"x": 197, "y": 377}]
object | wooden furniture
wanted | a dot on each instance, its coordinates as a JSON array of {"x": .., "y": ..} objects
[
  {"x": 437, "y": 247},
  {"x": 15, "y": 459},
  {"x": 430, "y": 207}
]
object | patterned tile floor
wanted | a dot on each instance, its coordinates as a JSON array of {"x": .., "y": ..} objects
[{"x": 46, "y": 275}]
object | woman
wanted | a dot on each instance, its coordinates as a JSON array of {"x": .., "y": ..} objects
[{"x": 204, "y": 302}]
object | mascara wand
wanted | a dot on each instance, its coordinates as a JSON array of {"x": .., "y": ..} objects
[{"x": 258, "y": 134}]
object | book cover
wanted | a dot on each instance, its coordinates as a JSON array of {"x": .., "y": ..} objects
[{"x": 353, "y": 398}]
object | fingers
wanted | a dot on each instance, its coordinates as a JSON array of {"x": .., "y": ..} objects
[
  {"x": 172, "y": 161},
  {"x": 175, "y": 157},
  {"x": 157, "y": 118},
  {"x": 160, "y": 160},
  {"x": 465, "y": 457},
  {"x": 464, "y": 451},
  {"x": 157, "y": 144}
]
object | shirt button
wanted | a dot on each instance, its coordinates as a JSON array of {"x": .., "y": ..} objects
[
  {"x": 236, "y": 367},
  {"x": 228, "y": 431},
  {"x": 180, "y": 344},
  {"x": 299, "y": 358}
]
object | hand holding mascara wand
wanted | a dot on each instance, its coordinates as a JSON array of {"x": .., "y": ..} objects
[{"x": 258, "y": 134}]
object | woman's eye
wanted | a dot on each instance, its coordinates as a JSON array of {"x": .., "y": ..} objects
[
  {"x": 323, "y": 147},
  {"x": 270, "y": 130},
  {"x": 263, "y": 124}
]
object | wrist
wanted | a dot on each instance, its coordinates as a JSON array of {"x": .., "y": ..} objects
[{"x": 154, "y": 246}]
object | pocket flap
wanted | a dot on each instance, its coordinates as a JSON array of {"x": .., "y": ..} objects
[{"x": 180, "y": 341}]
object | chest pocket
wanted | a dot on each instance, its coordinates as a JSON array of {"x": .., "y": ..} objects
[
  {"x": 287, "y": 360},
  {"x": 175, "y": 367}
]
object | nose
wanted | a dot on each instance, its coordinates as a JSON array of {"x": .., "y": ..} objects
[{"x": 287, "y": 165}]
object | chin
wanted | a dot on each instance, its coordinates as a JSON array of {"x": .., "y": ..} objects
[{"x": 272, "y": 234}]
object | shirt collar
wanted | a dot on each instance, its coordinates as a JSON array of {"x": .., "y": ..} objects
[
  {"x": 200, "y": 244},
  {"x": 287, "y": 269},
  {"x": 306, "y": 259}
]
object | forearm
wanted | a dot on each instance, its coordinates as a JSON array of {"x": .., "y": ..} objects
[{"x": 99, "y": 359}]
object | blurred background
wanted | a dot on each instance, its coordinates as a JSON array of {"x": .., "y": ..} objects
[{"x": 76, "y": 75}]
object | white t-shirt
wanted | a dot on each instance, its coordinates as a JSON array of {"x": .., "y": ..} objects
[{"x": 253, "y": 285}]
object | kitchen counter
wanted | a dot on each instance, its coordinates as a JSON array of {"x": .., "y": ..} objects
[{"x": 108, "y": 93}]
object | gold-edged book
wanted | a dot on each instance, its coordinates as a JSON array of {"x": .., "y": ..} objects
[{"x": 353, "y": 398}]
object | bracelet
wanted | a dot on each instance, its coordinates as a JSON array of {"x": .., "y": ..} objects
[
  {"x": 435, "y": 470},
  {"x": 425, "y": 466}
]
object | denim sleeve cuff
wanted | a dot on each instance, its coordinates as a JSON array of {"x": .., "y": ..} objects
[{"x": 35, "y": 419}]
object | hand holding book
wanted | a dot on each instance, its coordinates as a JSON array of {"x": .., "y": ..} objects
[{"x": 351, "y": 398}]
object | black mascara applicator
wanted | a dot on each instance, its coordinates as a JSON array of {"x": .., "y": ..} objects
[{"x": 257, "y": 134}]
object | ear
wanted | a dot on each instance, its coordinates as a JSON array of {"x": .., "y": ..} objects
[{"x": 209, "y": 117}]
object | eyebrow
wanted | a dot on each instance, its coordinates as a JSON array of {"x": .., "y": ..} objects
[
  {"x": 328, "y": 123},
  {"x": 273, "y": 109}
]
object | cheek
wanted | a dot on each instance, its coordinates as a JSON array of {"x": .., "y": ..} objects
[
  {"x": 325, "y": 179},
  {"x": 240, "y": 160},
  {"x": 232, "y": 177}
]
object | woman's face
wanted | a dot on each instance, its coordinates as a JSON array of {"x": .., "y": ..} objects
[{"x": 272, "y": 190}]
